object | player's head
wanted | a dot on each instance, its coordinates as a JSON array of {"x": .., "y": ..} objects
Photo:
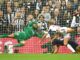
[
  {"x": 78, "y": 49},
  {"x": 30, "y": 17},
  {"x": 52, "y": 21},
  {"x": 52, "y": 35},
  {"x": 18, "y": 15},
  {"x": 36, "y": 25},
  {"x": 41, "y": 18}
]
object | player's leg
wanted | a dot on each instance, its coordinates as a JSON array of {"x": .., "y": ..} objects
[
  {"x": 78, "y": 49},
  {"x": 66, "y": 40},
  {"x": 4, "y": 36},
  {"x": 20, "y": 44},
  {"x": 73, "y": 44},
  {"x": 55, "y": 49},
  {"x": 11, "y": 35},
  {"x": 7, "y": 35},
  {"x": 21, "y": 38},
  {"x": 56, "y": 43},
  {"x": 71, "y": 48},
  {"x": 48, "y": 46}
]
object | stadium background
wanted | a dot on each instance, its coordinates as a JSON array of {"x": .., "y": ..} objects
[{"x": 35, "y": 47}]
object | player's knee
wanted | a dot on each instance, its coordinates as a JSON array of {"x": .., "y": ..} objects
[
  {"x": 23, "y": 42},
  {"x": 65, "y": 44}
]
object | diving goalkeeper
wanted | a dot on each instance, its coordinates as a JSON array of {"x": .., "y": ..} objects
[{"x": 28, "y": 32}]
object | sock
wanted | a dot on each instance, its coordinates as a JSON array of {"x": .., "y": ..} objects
[
  {"x": 70, "y": 47},
  {"x": 19, "y": 45},
  {"x": 4, "y": 36}
]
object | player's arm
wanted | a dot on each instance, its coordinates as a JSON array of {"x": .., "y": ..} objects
[{"x": 69, "y": 30}]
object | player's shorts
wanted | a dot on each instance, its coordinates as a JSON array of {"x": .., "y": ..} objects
[
  {"x": 20, "y": 36},
  {"x": 57, "y": 42},
  {"x": 61, "y": 43}
]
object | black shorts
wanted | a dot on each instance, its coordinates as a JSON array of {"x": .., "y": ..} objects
[
  {"x": 61, "y": 43},
  {"x": 57, "y": 42}
]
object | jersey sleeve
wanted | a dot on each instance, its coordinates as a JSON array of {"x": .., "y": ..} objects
[
  {"x": 30, "y": 24},
  {"x": 40, "y": 35}
]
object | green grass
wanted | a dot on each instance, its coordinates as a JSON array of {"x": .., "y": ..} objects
[{"x": 39, "y": 56}]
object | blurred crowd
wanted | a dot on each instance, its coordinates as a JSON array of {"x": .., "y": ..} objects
[{"x": 15, "y": 14}]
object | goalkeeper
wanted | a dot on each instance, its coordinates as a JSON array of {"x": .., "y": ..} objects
[{"x": 28, "y": 32}]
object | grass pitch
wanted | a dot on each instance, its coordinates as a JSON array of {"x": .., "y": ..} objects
[{"x": 39, "y": 56}]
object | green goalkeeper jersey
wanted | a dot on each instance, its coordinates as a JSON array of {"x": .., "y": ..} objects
[
  {"x": 27, "y": 32},
  {"x": 31, "y": 22}
]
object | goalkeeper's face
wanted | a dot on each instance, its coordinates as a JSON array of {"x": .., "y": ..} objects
[{"x": 37, "y": 26}]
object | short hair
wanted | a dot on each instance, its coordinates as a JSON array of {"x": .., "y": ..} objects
[
  {"x": 41, "y": 16},
  {"x": 52, "y": 21}
]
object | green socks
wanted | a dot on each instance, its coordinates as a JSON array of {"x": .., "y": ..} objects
[
  {"x": 19, "y": 45},
  {"x": 4, "y": 36}
]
